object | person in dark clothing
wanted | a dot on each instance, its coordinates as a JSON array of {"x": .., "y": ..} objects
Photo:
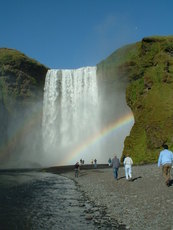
[
  {"x": 115, "y": 165},
  {"x": 76, "y": 169},
  {"x": 109, "y": 162},
  {"x": 95, "y": 163}
]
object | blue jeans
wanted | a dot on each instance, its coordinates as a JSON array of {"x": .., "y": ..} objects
[{"x": 115, "y": 173}]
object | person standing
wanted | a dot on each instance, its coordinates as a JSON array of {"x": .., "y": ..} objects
[
  {"x": 76, "y": 169},
  {"x": 95, "y": 163},
  {"x": 166, "y": 160},
  {"x": 81, "y": 161},
  {"x": 115, "y": 165},
  {"x": 128, "y": 162},
  {"x": 109, "y": 161}
]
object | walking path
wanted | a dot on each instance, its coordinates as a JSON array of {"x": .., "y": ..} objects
[{"x": 143, "y": 204}]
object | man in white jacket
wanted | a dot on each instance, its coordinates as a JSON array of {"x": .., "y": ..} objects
[{"x": 128, "y": 167}]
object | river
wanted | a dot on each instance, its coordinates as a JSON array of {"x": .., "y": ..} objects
[{"x": 39, "y": 200}]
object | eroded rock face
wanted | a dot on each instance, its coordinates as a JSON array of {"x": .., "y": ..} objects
[
  {"x": 152, "y": 88},
  {"x": 21, "y": 95},
  {"x": 146, "y": 68}
]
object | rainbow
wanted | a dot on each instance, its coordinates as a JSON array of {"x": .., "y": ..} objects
[
  {"x": 112, "y": 127},
  {"x": 30, "y": 122}
]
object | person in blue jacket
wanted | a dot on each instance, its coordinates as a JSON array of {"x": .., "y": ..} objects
[{"x": 165, "y": 160}]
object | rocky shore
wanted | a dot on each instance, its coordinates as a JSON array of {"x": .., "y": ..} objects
[{"x": 144, "y": 203}]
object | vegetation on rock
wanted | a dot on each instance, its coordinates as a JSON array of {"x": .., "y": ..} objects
[
  {"x": 147, "y": 66},
  {"x": 21, "y": 89},
  {"x": 21, "y": 78}
]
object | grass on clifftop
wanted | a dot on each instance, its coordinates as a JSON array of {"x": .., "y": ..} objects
[
  {"x": 14, "y": 58},
  {"x": 21, "y": 78}
]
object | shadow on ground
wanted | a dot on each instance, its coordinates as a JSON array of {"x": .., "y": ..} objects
[
  {"x": 171, "y": 182},
  {"x": 136, "y": 178}
]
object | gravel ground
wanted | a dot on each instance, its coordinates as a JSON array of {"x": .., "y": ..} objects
[{"x": 144, "y": 203}]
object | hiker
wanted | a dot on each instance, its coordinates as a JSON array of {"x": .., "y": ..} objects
[
  {"x": 128, "y": 167},
  {"x": 109, "y": 162},
  {"x": 76, "y": 169},
  {"x": 166, "y": 160},
  {"x": 115, "y": 164},
  {"x": 81, "y": 161},
  {"x": 95, "y": 163}
]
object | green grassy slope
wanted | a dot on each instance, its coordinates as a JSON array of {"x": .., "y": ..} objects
[
  {"x": 21, "y": 78},
  {"x": 21, "y": 96},
  {"x": 147, "y": 69}
]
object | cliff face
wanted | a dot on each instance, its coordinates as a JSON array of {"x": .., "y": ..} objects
[
  {"x": 21, "y": 95},
  {"x": 146, "y": 68},
  {"x": 149, "y": 95}
]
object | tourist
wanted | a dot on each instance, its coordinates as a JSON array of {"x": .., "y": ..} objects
[
  {"x": 109, "y": 162},
  {"x": 166, "y": 160},
  {"x": 128, "y": 167},
  {"x": 115, "y": 164},
  {"x": 95, "y": 163},
  {"x": 81, "y": 161},
  {"x": 76, "y": 168}
]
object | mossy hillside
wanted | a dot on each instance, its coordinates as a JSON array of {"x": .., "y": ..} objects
[
  {"x": 145, "y": 71},
  {"x": 21, "y": 96},
  {"x": 149, "y": 95},
  {"x": 109, "y": 70},
  {"x": 21, "y": 78}
]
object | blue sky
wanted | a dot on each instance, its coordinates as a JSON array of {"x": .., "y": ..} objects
[{"x": 75, "y": 33}]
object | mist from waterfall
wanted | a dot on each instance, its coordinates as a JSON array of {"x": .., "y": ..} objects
[
  {"x": 74, "y": 111},
  {"x": 70, "y": 112}
]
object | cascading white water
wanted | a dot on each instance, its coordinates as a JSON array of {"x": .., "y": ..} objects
[
  {"x": 70, "y": 112},
  {"x": 79, "y": 124}
]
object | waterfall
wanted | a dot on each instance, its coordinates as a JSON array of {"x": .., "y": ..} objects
[{"x": 70, "y": 111}]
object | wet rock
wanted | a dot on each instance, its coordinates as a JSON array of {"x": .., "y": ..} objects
[{"x": 88, "y": 217}]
